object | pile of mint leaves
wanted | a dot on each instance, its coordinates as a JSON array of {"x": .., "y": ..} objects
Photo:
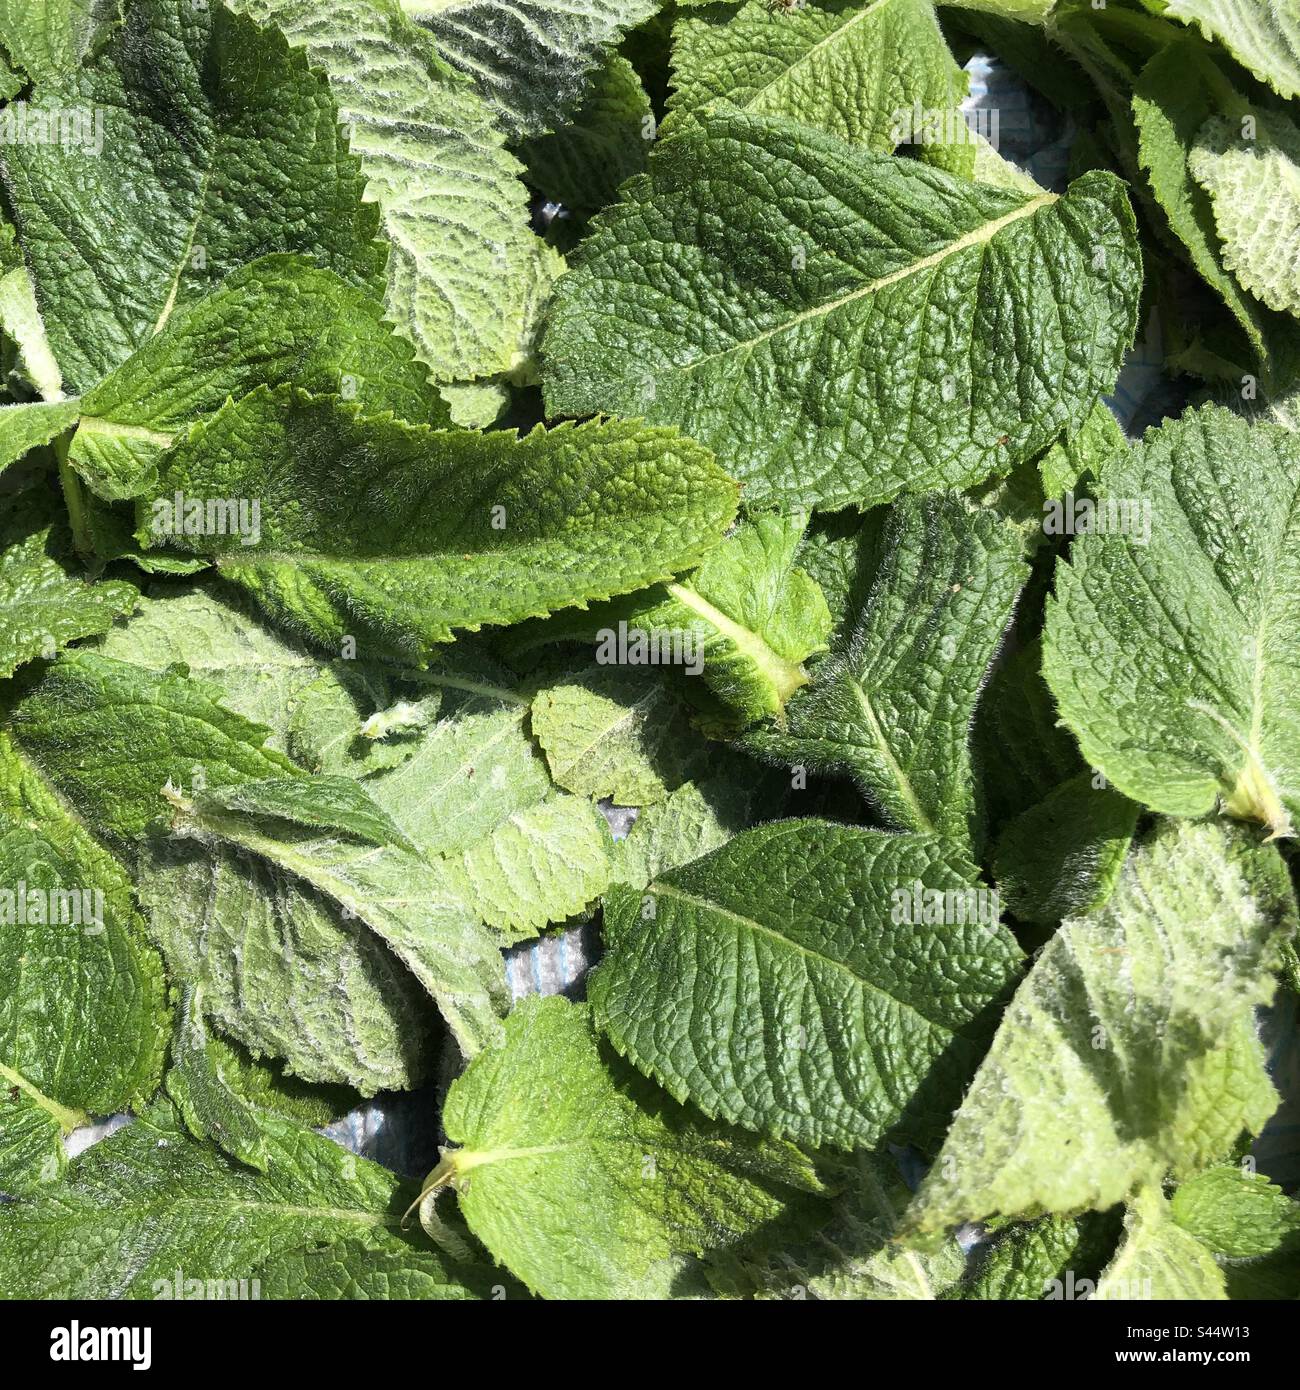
[{"x": 385, "y": 384}]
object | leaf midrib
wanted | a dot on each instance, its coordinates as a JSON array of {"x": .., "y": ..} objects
[
  {"x": 708, "y": 905},
  {"x": 980, "y": 235}
]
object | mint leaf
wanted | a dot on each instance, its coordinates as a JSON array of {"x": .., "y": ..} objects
[
  {"x": 150, "y": 1200},
  {"x": 350, "y": 1269},
  {"x": 531, "y": 60},
  {"x": 284, "y": 971},
  {"x": 475, "y": 797},
  {"x": 747, "y": 619},
  {"x": 808, "y": 965},
  {"x": 111, "y": 736},
  {"x": 585, "y": 1182},
  {"x": 279, "y": 320},
  {"x": 1253, "y": 188},
  {"x": 426, "y": 531},
  {"x": 1064, "y": 855},
  {"x": 1190, "y": 706},
  {"x": 192, "y": 173},
  {"x": 857, "y": 70},
  {"x": 1130, "y": 1049},
  {"x": 1236, "y": 1214},
  {"x": 794, "y": 337},
  {"x": 693, "y": 820},
  {"x": 83, "y": 1014},
  {"x": 464, "y": 272},
  {"x": 44, "y": 602},
  {"x": 1265, "y": 37},
  {"x": 895, "y": 709},
  {"x": 1157, "y": 1259},
  {"x": 611, "y": 731}
]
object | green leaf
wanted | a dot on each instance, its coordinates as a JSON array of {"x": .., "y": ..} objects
[
  {"x": 586, "y": 1182},
  {"x": 1130, "y": 1049},
  {"x": 284, "y": 971},
  {"x": 856, "y": 326},
  {"x": 83, "y": 1015},
  {"x": 28, "y": 426},
  {"x": 895, "y": 709},
  {"x": 1176, "y": 663},
  {"x": 605, "y": 142},
  {"x": 314, "y": 708},
  {"x": 746, "y": 620},
  {"x": 191, "y": 177},
  {"x": 150, "y": 1200},
  {"x": 350, "y": 1269},
  {"x": 772, "y": 985},
  {"x": 401, "y": 898},
  {"x": 278, "y": 320},
  {"x": 1084, "y": 453},
  {"x": 1236, "y": 1214},
  {"x": 1264, "y": 36},
  {"x": 44, "y": 602},
  {"x": 693, "y": 820},
  {"x": 611, "y": 731},
  {"x": 1175, "y": 95},
  {"x": 1157, "y": 1259},
  {"x": 531, "y": 60},
  {"x": 1254, "y": 186},
  {"x": 475, "y": 797},
  {"x": 111, "y": 736},
  {"x": 1055, "y": 1258},
  {"x": 854, "y": 1256},
  {"x": 464, "y": 269},
  {"x": 47, "y": 37},
  {"x": 396, "y": 534},
  {"x": 856, "y": 70},
  {"x": 1064, "y": 856}
]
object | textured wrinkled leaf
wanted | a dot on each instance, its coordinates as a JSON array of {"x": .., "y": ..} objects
[
  {"x": 1174, "y": 97},
  {"x": 45, "y": 603},
  {"x": 284, "y": 971},
  {"x": 858, "y": 70},
  {"x": 401, "y": 898},
  {"x": 464, "y": 269},
  {"x": 691, "y": 821},
  {"x": 34, "y": 423},
  {"x": 1237, "y": 1214},
  {"x": 1064, "y": 855},
  {"x": 586, "y": 1182},
  {"x": 1254, "y": 186},
  {"x": 854, "y": 1256},
  {"x": 194, "y": 174},
  {"x": 531, "y": 59},
  {"x": 350, "y": 1269},
  {"x": 396, "y": 534},
  {"x": 1130, "y": 1049},
  {"x": 475, "y": 797},
  {"x": 1264, "y": 35},
  {"x": 1176, "y": 663},
  {"x": 894, "y": 711},
  {"x": 111, "y": 736},
  {"x": 47, "y": 37},
  {"x": 1157, "y": 1259},
  {"x": 856, "y": 325},
  {"x": 746, "y": 620},
  {"x": 605, "y": 142},
  {"x": 1051, "y": 1258},
  {"x": 614, "y": 732},
  {"x": 83, "y": 1015},
  {"x": 775, "y": 984},
  {"x": 150, "y": 1200},
  {"x": 277, "y": 320}
]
